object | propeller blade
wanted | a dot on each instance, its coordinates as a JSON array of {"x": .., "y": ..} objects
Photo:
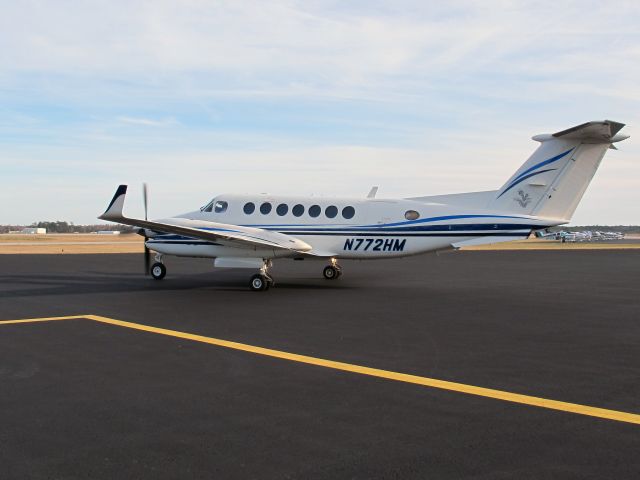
[
  {"x": 147, "y": 259},
  {"x": 142, "y": 231},
  {"x": 144, "y": 200}
]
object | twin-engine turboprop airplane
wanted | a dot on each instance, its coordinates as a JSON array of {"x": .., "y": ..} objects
[{"x": 249, "y": 231}]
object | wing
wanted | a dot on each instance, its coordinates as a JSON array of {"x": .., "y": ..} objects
[{"x": 236, "y": 235}]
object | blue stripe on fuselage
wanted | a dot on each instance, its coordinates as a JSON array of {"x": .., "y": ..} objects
[
  {"x": 481, "y": 229},
  {"x": 276, "y": 226}
]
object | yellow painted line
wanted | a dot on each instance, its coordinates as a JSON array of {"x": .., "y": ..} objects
[
  {"x": 42, "y": 319},
  {"x": 388, "y": 375},
  {"x": 373, "y": 372}
]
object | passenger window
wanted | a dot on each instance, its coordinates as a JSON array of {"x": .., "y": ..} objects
[
  {"x": 331, "y": 211},
  {"x": 249, "y": 208},
  {"x": 314, "y": 210},
  {"x": 297, "y": 210},
  {"x": 220, "y": 206},
  {"x": 348, "y": 212},
  {"x": 265, "y": 208},
  {"x": 411, "y": 215},
  {"x": 282, "y": 209}
]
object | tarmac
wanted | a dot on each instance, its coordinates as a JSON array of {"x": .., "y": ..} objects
[{"x": 390, "y": 371}]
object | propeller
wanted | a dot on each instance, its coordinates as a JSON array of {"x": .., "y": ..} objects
[
  {"x": 144, "y": 200},
  {"x": 147, "y": 253}
]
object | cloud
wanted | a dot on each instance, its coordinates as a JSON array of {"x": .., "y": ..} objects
[
  {"x": 148, "y": 122},
  {"x": 321, "y": 95}
]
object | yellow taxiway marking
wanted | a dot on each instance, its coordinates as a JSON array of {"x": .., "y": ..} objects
[
  {"x": 373, "y": 372},
  {"x": 42, "y": 319}
]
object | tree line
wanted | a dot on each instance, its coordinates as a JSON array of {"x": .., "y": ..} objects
[{"x": 67, "y": 227}]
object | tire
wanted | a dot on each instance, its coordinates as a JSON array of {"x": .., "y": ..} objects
[
  {"x": 158, "y": 271},
  {"x": 330, "y": 272},
  {"x": 258, "y": 283}
]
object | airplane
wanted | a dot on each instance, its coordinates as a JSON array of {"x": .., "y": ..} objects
[
  {"x": 586, "y": 236},
  {"x": 250, "y": 231},
  {"x": 608, "y": 235}
]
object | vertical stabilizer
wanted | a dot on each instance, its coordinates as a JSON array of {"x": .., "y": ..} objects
[{"x": 553, "y": 180}]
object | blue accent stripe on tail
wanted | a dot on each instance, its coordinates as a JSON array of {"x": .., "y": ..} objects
[
  {"x": 526, "y": 174},
  {"x": 524, "y": 178},
  {"x": 542, "y": 164}
]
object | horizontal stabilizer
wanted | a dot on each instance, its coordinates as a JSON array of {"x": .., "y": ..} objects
[
  {"x": 593, "y": 132},
  {"x": 487, "y": 241}
]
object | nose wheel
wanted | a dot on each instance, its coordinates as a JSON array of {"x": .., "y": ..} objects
[{"x": 333, "y": 271}]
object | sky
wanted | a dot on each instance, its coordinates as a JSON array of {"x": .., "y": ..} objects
[{"x": 199, "y": 98}]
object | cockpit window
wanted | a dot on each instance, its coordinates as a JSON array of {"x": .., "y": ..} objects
[
  {"x": 220, "y": 206},
  {"x": 207, "y": 207}
]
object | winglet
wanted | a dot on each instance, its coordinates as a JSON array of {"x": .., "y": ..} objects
[
  {"x": 114, "y": 210},
  {"x": 372, "y": 192}
]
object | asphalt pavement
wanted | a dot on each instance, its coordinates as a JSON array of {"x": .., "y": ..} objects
[{"x": 84, "y": 399}]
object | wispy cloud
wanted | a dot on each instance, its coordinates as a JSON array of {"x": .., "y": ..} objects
[{"x": 148, "y": 122}]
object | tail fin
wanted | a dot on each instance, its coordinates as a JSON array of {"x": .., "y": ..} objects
[{"x": 553, "y": 180}]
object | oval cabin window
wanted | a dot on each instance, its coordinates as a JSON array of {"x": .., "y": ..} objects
[
  {"x": 297, "y": 210},
  {"x": 411, "y": 215},
  {"x": 265, "y": 208},
  {"x": 282, "y": 209},
  {"x": 331, "y": 211},
  {"x": 314, "y": 210},
  {"x": 348, "y": 212},
  {"x": 249, "y": 208}
]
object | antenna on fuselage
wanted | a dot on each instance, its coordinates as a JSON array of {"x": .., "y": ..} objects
[{"x": 372, "y": 192}]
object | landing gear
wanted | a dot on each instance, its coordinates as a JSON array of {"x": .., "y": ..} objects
[
  {"x": 333, "y": 271},
  {"x": 158, "y": 271},
  {"x": 262, "y": 281}
]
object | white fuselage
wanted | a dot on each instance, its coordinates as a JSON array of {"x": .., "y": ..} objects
[{"x": 347, "y": 227}]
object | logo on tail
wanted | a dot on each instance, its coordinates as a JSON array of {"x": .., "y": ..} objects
[{"x": 524, "y": 199}]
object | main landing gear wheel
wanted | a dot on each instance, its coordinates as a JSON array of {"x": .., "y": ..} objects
[
  {"x": 260, "y": 282},
  {"x": 158, "y": 271},
  {"x": 331, "y": 272}
]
